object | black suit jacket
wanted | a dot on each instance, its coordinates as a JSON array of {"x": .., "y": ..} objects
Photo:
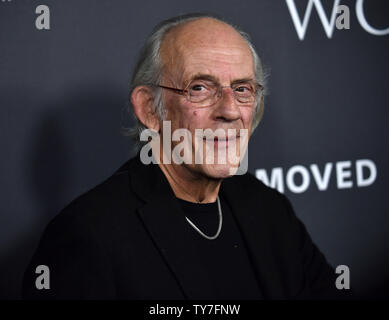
[{"x": 126, "y": 239}]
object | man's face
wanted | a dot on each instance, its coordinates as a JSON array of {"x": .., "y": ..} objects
[{"x": 208, "y": 49}]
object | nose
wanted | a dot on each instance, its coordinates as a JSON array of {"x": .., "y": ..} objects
[{"x": 227, "y": 108}]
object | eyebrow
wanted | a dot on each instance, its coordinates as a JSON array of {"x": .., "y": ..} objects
[{"x": 204, "y": 76}]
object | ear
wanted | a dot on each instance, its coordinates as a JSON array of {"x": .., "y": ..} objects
[{"x": 142, "y": 99}]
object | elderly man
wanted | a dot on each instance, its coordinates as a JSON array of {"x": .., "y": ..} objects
[{"x": 185, "y": 229}]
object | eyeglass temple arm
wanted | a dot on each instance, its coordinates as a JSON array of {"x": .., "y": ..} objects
[{"x": 180, "y": 91}]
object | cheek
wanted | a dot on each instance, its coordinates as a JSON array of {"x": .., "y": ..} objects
[
  {"x": 247, "y": 115},
  {"x": 175, "y": 113},
  {"x": 194, "y": 118},
  {"x": 191, "y": 119},
  {"x": 198, "y": 119},
  {"x": 183, "y": 117}
]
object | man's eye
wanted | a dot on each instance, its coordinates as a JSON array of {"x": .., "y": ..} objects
[
  {"x": 243, "y": 89},
  {"x": 198, "y": 87}
]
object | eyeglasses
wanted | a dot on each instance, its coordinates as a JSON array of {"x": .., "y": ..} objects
[{"x": 205, "y": 93}]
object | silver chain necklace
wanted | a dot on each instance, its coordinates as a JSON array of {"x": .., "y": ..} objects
[{"x": 218, "y": 229}]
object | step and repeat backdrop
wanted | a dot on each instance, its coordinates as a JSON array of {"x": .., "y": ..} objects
[{"x": 65, "y": 68}]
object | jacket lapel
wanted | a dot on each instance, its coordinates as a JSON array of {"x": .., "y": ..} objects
[
  {"x": 166, "y": 224},
  {"x": 250, "y": 210}
]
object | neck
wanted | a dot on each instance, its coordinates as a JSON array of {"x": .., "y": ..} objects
[{"x": 191, "y": 186}]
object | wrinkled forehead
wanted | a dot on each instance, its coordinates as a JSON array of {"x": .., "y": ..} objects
[{"x": 206, "y": 46}]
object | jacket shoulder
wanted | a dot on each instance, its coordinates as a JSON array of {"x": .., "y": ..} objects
[
  {"x": 100, "y": 206},
  {"x": 77, "y": 242}
]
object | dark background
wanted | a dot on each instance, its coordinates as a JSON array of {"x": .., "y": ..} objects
[{"x": 63, "y": 90}]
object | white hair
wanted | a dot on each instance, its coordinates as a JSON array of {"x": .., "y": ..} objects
[{"x": 148, "y": 70}]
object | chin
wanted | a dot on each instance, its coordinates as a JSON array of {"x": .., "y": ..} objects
[{"x": 219, "y": 171}]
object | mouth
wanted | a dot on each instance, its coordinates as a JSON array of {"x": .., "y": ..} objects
[{"x": 222, "y": 140}]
